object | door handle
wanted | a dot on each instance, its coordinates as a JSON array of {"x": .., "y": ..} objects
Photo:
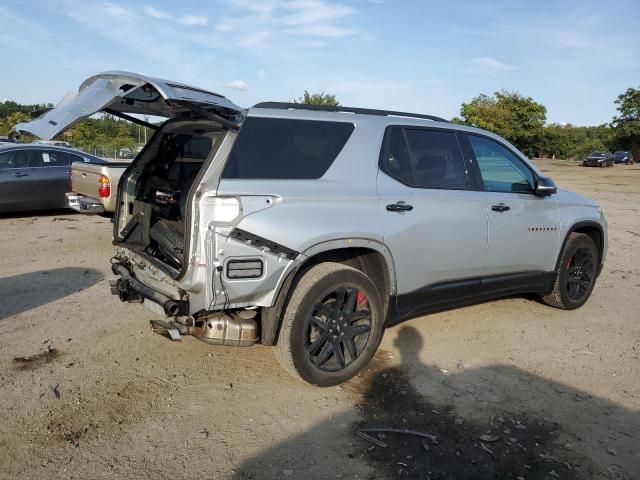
[
  {"x": 500, "y": 208},
  {"x": 399, "y": 207},
  {"x": 20, "y": 174}
]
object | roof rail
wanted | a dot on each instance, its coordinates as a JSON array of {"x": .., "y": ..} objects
[{"x": 363, "y": 111}]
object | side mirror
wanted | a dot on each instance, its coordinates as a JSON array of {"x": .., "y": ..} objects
[{"x": 545, "y": 186}]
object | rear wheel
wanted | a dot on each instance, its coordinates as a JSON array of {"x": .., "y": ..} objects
[
  {"x": 576, "y": 273},
  {"x": 332, "y": 325}
]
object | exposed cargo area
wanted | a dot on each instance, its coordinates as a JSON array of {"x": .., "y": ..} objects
[{"x": 155, "y": 203}]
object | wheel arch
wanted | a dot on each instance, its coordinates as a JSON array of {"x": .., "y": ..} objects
[
  {"x": 592, "y": 229},
  {"x": 369, "y": 256}
]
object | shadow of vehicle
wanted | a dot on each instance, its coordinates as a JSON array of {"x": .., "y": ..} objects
[
  {"x": 22, "y": 214},
  {"x": 489, "y": 422},
  {"x": 29, "y": 290}
]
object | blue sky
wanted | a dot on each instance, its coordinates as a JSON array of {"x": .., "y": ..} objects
[{"x": 575, "y": 57}]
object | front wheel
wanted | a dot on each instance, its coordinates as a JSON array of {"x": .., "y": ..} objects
[
  {"x": 576, "y": 275},
  {"x": 332, "y": 325}
]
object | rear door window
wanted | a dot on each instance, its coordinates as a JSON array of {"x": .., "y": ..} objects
[
  {"x": 14, "y": 159},
  {"x": 274, "y": 148},
  {"x": 49, "y": 158},
  {"x": 424, "y": 158}
]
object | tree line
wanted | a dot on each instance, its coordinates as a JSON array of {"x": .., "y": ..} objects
[
  {"x": 518, "y": 118},
  {"x": 522, "y": 121},
  {"x": 103, "y": 134}
]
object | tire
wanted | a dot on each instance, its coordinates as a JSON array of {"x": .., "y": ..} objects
[
  {"x": 320, "y": 325},
  {"x": 170, "y": 239},
  {"x": 579, "y": 251}
]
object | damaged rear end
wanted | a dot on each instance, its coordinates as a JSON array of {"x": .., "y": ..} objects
[{"x": 167, "y": 196}]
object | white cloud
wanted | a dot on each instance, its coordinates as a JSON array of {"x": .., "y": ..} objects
[
  {"x": 199, "y": 20},
  {"x": 237, "y": 85},
  {"x": 306, "y": 12},
  {"x": 488, "y": 65},
  {"x": 189, "y": 20},
  {"x": 261, "y": 27},
  {"x": 155, "y": 13},
  {"x": 117, "y": 11},
  {"x": 312, "y": 18},
  {"x": 327, "y": 31}
]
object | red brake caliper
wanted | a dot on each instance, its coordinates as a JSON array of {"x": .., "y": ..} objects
[{"x": 362, "y": 301}]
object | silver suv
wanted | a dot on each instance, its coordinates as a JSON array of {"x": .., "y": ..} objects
[{"x": 313, "y": 228}]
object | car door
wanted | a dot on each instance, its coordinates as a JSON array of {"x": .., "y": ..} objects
[
  {"x": 15, "y": 193},
  {"x": 523, "y": 228},
  {"x": 50, "y": 177},
  {"x": 433, "y": 223}
]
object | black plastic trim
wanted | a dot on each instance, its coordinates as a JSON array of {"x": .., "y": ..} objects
[
  {"x": 239, "y": 269},
  {"x": 261, "y": 242},
  {"x": 445, "y": 295},
  {"x": 130, "y": 118},
  {"x": 573, "y": 228}
]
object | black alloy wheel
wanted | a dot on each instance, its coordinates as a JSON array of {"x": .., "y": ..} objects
[
  {"x": 338, "y": 329},
  {"x": 332, "y": 324},
  {"x": 576, "y": 273},
  {"x": 580, "y": 274}
]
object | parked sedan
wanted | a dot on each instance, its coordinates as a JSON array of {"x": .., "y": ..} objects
[
  {"x": 36, "y": 177},
  {"x": 623, "y": 157},
  {"x": 598, "y": 159}
]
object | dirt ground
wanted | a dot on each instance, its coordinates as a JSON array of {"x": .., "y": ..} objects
[{"x": 505, "y": 389}]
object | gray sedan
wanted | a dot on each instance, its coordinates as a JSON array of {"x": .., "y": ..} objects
[{"x": 36, "y": 177}]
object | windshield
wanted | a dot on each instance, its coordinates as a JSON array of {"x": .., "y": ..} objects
[{"x": 620, "y": 153}]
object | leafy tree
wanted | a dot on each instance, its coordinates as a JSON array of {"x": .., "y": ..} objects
[
  {"x": 318, "y": 99},
  {"x": 8, "y": 107},
  {"x": 103, "y": 134},
  {"x": 567, "y": 141},
  {"x": 517, "y": 118},
  {"x": 626, "y": 125},
  {"x": 557, "y": 141},
  {"x": 13, "y": 118}
]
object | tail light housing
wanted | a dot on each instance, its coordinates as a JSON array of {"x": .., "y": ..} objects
[{"x": 104, "y": 186}]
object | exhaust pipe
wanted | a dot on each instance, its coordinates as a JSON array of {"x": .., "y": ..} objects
[
  {"x": 130, "y": 290},
  {"x": 221, "y": 328},
  {"x": 218, "y": 328}
]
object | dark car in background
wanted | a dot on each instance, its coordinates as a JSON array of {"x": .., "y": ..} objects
[
  {"x": 623, "y": 157},
  {"x": 598, "y": 159},
  {"x": 126, "y": 153},
  {"x": 37, "y": 177}
]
